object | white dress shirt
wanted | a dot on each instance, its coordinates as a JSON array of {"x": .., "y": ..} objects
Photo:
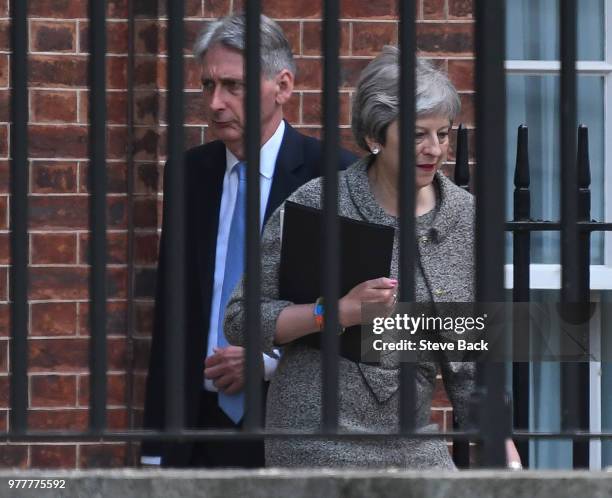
[{"x": 267, "y": 163}]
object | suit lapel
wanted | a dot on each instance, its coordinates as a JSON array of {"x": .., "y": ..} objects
[
  {"x": 289, "y": 173},
  {"x": 209, "y": 185}
]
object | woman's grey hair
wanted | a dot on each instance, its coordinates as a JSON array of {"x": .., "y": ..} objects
[
  {"x": 230, "y": 31},
  {"x": 376, "y": 101}
]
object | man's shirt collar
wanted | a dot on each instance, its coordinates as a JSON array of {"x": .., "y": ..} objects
[{"x": 267, "y": 155}]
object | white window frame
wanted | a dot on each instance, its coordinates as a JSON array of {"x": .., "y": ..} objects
[{"x": 548, "y": 276}]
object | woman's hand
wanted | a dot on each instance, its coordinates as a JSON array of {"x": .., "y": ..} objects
[
  {"x": 298, "y": 320},
  {"x": 382, "y": 291}
]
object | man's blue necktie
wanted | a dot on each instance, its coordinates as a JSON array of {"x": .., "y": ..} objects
[{"x": 233, "y": 404}]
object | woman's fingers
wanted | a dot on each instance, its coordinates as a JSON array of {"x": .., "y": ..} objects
[
  {"x": 382, "y": 283},
  {"x": 378, "y": 295},
  {"x": 379, "y": 290}
]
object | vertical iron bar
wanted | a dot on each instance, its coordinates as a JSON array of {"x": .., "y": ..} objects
[
  {"x": 129, "y": 385},
  {"x": 581, "y": 449},
  {"x": 98, "y": 187},
  {"x": 407, "y": 238},
  {"x": 490, "y": 194},
  {"x": 331, "y": 240},
  {"x": 461, "y": 449},
  {"x": 462, "y": 163},
  {"x": 19, "y": 217},
  {"x": 570, "y": 265},
  {"x": 174, "y": 240},
  {"x": 569, "y": 172},
  {"x": 584, "y": 185},
  {"x": 254, "y": 372},
  {"x": 584, "y": 211},
  {"x": 521, "y": 242}
]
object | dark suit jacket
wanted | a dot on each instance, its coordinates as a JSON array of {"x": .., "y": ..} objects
[{"x": 299, "y": 160}]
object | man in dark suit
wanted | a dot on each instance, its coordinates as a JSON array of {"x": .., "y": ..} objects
[{"x": 214, "y": 175}]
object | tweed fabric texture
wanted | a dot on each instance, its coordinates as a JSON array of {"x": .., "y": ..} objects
[{"x": 368, "y": 394}]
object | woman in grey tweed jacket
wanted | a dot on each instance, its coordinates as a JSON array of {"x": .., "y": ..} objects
[{"x": 368, "y": 190}]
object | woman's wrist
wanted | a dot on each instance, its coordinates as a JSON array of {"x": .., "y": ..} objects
[
  {"x": 344, "y": 314},
  {"x": 319, "y": 313},
  {"x": 348, "y": 314}
]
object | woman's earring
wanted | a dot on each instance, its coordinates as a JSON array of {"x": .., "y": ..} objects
[{"x": 375, "y": 149}]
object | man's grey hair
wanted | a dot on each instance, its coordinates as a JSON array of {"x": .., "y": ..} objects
[
  {"x": 376, "y": 101},
  {"x": 230, "y": 31}
]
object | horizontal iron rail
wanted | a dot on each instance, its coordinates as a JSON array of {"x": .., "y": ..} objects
[
  {"x": 217, "y": 435},
  {"x": 552, "y": 226},
  {"x": 212, "y": 435}
]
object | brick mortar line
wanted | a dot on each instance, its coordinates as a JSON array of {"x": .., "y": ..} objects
[
  {"x": 71, "y": 160},
  {"x": 77, "y": 89},
  {"x": 78, "y": 37},
  {"x": 62, "y": 443},
  {"x": 17, "y": 443},
  {"x": 81, "y": 55},
  {"x": 83, "y": 372},
  {"x": 72, "y": 124},
  {"x": 57, "y": 374},
  {"x": 64, "y": 231},
  {"x": 67, "y": 301},
  {"x": 111, "y": 195},
  {"x": 68, "y": 19},
  {"x": 77, "y": 407},
  {"x": 301, "y": 38},
  {"x": 73, "y": 53},
  {"x": 76, "y": 266}
]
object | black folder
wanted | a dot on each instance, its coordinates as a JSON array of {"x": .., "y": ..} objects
[{"x": 365, "y": 253}]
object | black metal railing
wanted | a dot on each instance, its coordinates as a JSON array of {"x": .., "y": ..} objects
[
  {"x": 174, "y": 239},
  {"x": 407, "y": 237},
  {"x": 254, "y": 416},
  {"x": 331, "y": 238},
  {"x": 490, "y": 193},
  {"x": 19, "y": 218},
  {"x": 493, "y": 410},
  {"x": 97, "y": 216},
  {"x": 520, "y": 290}
]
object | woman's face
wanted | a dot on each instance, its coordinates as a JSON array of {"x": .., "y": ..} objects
[{"x": 430, "y": 143}]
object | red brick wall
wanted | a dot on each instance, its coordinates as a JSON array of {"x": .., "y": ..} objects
[{"x": 58, "y": 381}]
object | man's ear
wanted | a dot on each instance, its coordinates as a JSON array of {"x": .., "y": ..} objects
[{"x": 284, "y": 86}]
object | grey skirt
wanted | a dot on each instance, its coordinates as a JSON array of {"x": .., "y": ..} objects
[{"x": 294, "y": 404}]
